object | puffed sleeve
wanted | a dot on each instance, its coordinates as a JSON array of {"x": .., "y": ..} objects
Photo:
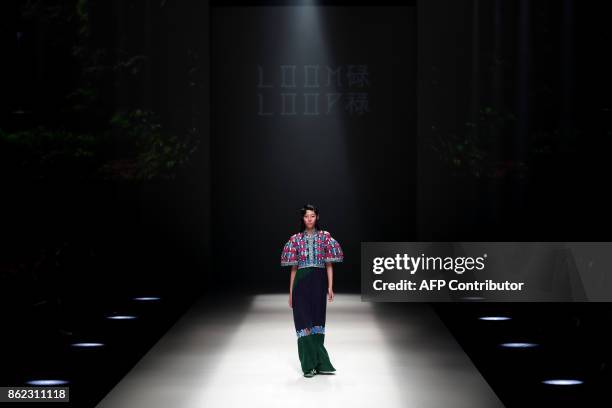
[
  {"x": 332, "y": 252},
  {"x": 289, "y": 254}
]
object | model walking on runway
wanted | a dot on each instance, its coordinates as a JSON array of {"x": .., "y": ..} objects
[{"x": 311, "y": 253}]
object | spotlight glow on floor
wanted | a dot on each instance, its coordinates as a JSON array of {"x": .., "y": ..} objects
[
  {"x": 563, "y": 382},
  {"x": 87, "y": 345},
  {"x": 47, "y": 382},
  {"x": 146, "y": 298},
  {"x": 121, "y": 317},
  {"x": 518, "y": 345},
  {"x": 472, "y": 298},
  {"x": 494, "y": 318},
  {"x": 253, "y": 340}
]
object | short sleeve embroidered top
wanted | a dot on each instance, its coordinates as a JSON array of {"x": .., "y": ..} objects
[{"x": 311, "y": 250}]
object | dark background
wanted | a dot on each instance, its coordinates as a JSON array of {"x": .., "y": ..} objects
[
  {"x": 127, "y": 169},
  {"x": 360, "y": 170}
]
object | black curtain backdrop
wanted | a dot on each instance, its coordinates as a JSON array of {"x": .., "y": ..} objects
[{"x": 359, "y": 169}]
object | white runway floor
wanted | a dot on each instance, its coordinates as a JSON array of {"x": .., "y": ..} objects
[{"x": 243, "y": 353}]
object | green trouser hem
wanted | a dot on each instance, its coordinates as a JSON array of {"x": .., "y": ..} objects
[{"x": 313, "y": 354}]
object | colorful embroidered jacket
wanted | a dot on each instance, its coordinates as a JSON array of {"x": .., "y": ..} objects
[{"x": 307, "y": 250}]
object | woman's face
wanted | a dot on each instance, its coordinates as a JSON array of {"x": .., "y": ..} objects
[{"x": 310, "y": 218}]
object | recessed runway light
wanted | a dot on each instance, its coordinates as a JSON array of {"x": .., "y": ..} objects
[
  {"x": 146, "y": 298},
  {"x": 494, "y": 318},
  {"x": 87, "y": 345},
  {"x": 472, "y": 298},
  {"x": 563, "y": 382},
  {"x": 121, "y": 317},
  {"x": 47, "y": 382},
  {"x": 518, "y": 345}
]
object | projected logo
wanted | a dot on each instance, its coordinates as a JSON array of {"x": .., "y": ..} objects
[{"x": 313, "y": 90}]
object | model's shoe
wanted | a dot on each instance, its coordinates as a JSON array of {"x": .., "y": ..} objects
[
  {"x": 310, "y": 373},
  {"x": 326, "y": 372}
]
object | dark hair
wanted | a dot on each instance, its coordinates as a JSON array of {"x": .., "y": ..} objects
[{"x": 303, "y": 212}]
